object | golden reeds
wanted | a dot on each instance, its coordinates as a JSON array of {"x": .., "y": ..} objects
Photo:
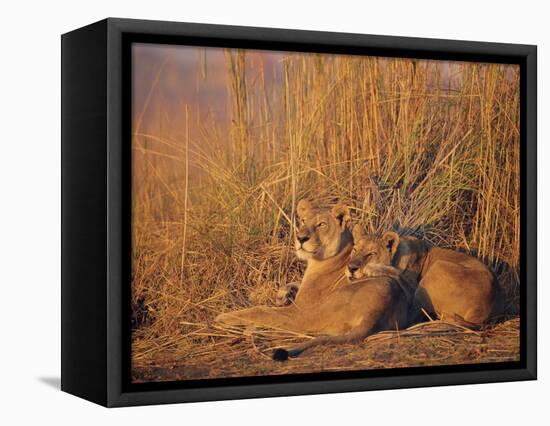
[{"x": 426, "y": 146}]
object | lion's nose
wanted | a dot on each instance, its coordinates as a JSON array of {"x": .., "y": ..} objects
[
  {"x": 353, "y": 268},
  {"x": 302, "y": 239}
]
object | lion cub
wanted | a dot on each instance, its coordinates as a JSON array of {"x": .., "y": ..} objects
[{"x": 451, "y": 285}]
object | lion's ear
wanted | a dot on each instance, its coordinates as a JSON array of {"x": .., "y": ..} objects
[
  {"x": 341, "y": 213},
  {"x": 303, "y": 207},
  {"x": 390, "y": 240},
  {"x": 357, "y": 232}
]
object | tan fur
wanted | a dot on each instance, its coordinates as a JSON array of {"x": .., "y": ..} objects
[
  {"x": 452, "y": 285},
  {"x": 287, "y": 294},
  {"x": 326, "y": 303}
]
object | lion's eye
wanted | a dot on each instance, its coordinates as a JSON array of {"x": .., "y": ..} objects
[{"x": 321, "y": 224}]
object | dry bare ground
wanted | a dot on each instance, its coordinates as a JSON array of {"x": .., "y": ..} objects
[
  {"x": 429, "y": 147},
  {"x": 235, "y": 354}
]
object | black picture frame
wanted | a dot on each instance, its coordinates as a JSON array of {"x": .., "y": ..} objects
[{"x": 96, "y": 207}]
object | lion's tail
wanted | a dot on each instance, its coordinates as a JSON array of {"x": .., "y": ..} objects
[{"x": 281, "y": 354}]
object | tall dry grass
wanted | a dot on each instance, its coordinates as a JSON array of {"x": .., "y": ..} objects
[{"x": 430, "y": 147}]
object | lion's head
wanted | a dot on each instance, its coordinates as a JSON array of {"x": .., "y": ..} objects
[
  {"x": 370, "y": 253},
  {"x": 321, "y": 233}
]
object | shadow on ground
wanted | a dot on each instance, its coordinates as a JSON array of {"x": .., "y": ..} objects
[{"x": 53, "y": 382}]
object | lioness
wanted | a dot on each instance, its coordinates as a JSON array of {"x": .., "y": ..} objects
[
  {"x": 326, "y": 302},
  {"x": 452, "y": 285}
]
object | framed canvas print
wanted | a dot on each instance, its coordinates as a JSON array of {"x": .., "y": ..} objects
[{"x": 251, "y": 212}]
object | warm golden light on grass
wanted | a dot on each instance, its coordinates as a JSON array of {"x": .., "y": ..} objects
[{"x": 431, "y": 147}]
